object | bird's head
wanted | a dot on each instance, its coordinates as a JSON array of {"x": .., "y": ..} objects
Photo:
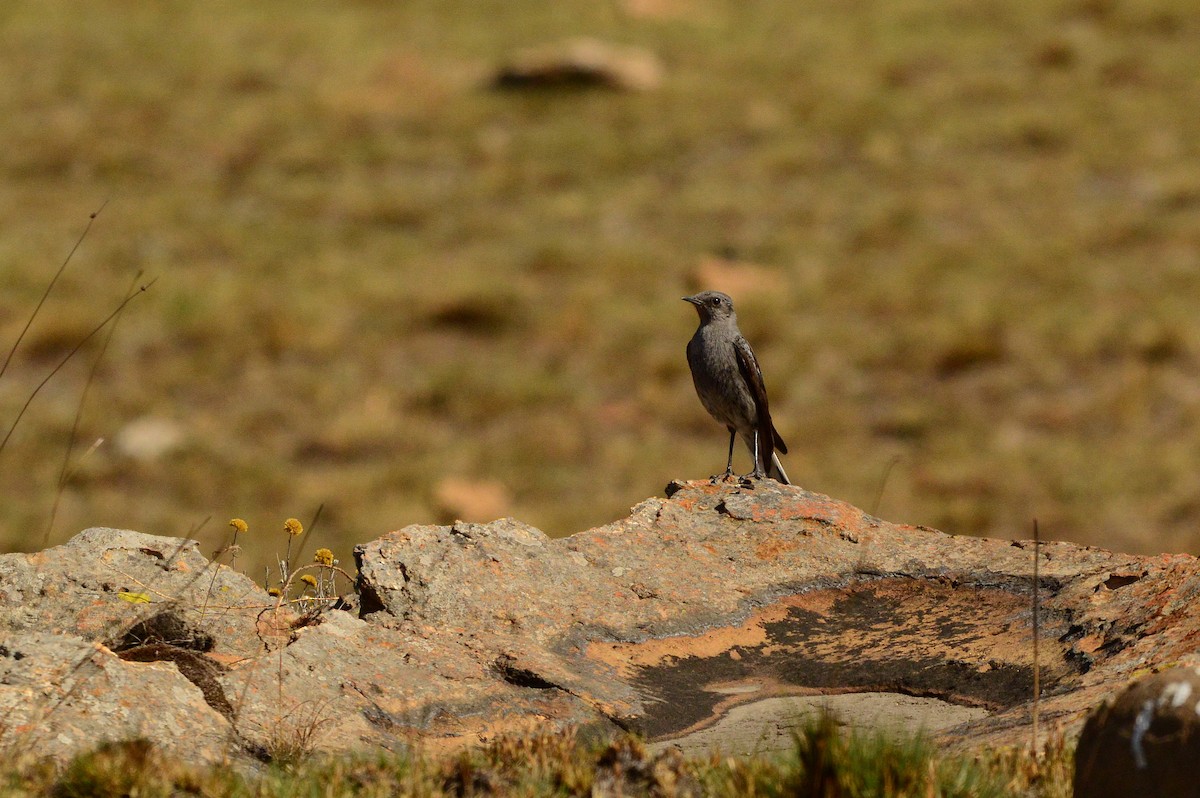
[{"x": 712, "y": 306}]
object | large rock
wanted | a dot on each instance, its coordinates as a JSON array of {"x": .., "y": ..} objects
[
  {"x": 60, "y": 694},
  {"x": 707, "y": 618},
  {"x": 103, "y": 582}
]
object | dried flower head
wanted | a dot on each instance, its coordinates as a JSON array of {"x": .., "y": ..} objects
[
  {"x": 293, "y": 527},
  {"x": 239, "y": 526},
  {"x": 274, "y": 592},
  {"x": 309, "y": 580},
  {"x": 323, "y": 556}
]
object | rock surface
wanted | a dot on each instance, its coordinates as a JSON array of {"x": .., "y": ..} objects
[{"x": 720, "y": 607}]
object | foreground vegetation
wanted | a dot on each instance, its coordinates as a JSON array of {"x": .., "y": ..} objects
[{"x": 824, "y": 763}]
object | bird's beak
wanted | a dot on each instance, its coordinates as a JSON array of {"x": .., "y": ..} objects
[{"x": 692, "y": 299}]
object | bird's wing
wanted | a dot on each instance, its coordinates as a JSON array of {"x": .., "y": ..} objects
[{"x": 752, "y": 374}]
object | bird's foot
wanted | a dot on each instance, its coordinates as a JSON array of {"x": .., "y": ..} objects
[
  {"x": 747, "y": 480},
  {"x": 726, "y": 477}
]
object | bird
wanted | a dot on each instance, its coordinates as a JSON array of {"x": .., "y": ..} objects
[{"x": 730, "y": 385}]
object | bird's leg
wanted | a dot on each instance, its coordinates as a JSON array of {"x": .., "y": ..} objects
[
  {"x": 729, "y": 466},
  {"x": 757, "y": 473}
]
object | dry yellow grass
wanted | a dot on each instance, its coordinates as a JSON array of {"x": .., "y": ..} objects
[
  {"x": 975, "y": 228},
  {"x": 826, "y": 761}
]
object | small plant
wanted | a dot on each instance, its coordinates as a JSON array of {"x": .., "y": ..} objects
[
  {"x": 305, "y": 587},
  {"x": 1045, "y": 772},
  {"x": 291, "y": 735},
  {"x": 310, "y": 587},
  {"x": 126, "y": 767}
]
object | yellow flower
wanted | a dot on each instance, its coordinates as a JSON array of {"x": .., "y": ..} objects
[
  {"x": 309, "y": 580},
  {"x": 323, "y": 556},
  {"x": 293, "y": 527},
  {"x": 239, "y": 526},
  {"x": 275, "y": 592}
]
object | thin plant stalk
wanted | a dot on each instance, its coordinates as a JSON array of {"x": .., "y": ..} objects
[
  {"x": 69, "y": 355},
  {"x": 1037, "y": 670},
  {"x": 50, "y": 287},
  {"x": 65, "y": 473}
]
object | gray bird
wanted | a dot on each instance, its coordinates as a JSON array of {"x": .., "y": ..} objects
[{"x": 730, "y": 384}]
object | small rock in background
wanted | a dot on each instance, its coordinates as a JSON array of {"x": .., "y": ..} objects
[
  {"x": 458, "y": 499},
  {"x": 736, "y": 278},
  {"x": 659, "y": 9},
  {"x": 581, "y": 63},
  {"x": 148, "y": 438},
  {"x": 1146, "y": 743}
]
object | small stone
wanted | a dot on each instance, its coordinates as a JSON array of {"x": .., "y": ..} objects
[
  {"x": 674, "y": 486},
  {"x": 660, "y": 9},
  {"x": 737, "y": 278},
  {"x": 581, "y": 63},
  {"x": 1146, "y": 743},
  {"x": 148, "y": 439},
  {"x": 458, "y": 499}
]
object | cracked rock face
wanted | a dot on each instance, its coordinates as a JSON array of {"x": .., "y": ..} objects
[{"x": 720, "y": 607}]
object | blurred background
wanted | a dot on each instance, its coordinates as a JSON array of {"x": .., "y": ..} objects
[{"x": 421, "y": 261}]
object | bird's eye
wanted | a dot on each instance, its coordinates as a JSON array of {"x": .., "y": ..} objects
[{"x": 716, "y": 302}]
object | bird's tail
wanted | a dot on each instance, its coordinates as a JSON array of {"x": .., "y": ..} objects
[{"x": 775, "y": 470}]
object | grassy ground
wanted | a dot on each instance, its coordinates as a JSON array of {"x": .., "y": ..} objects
[
  {"x": 964, "y": 238},
  {"x": 824, "y": 763}
]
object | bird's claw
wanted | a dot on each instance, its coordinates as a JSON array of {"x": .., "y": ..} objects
[{"x": 747, "y": 480}]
